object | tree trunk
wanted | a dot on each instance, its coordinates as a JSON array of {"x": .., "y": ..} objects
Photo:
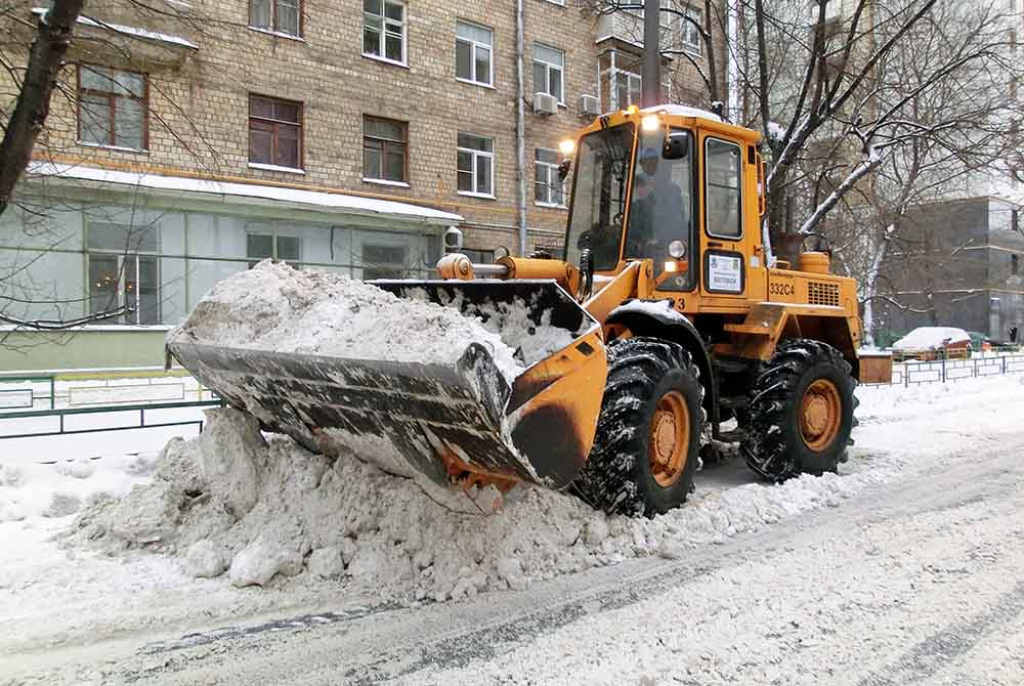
[
  {"x": 44, "y": 64},
  {"x": 870, "y": 290}
]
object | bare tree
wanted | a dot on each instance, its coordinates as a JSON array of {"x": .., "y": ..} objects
[
  {"x": 696, "y": 39},
  {"x": 39, "y": 114}
]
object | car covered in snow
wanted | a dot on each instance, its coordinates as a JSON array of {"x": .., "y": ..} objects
[{"x": 933, "y": 343}]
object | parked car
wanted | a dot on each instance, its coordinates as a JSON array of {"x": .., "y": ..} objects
[{"x": 933, "y": 343}]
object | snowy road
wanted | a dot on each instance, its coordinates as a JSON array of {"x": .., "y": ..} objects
[{"x": 918, "y": 579}]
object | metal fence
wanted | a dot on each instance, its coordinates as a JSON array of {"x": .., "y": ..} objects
[
  {"x": 36, "y": 423},
  {"x": 943, "y": 371}
]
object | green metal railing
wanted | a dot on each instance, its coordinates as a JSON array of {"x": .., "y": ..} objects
[
  {"x": 106, "y": 409},
  {"x": 49, "y": 378}
]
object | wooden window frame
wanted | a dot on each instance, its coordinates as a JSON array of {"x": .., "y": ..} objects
[
  {"x": 274, "y": 30},
  {"x": 300, "y": 124},
  {"x": 112, "y": 97},
  {"x": 385, "y": 142}
]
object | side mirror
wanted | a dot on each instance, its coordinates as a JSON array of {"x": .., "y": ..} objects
[{"x": 676, "y": 147}]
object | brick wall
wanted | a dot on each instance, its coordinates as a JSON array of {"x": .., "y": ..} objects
[{"x": 199, "y": 98}]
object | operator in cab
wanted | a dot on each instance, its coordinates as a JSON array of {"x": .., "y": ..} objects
[{"x": 657, "y": 207}]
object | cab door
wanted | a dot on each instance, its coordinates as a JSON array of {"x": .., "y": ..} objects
[{"x": 724, "y": 264}]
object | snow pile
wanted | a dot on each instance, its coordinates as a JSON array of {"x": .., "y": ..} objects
[
  {"x": 63, "y": 487},
  {"x": 931, "y": 337},
  {"x": 532, "y": 341},
  {"x": 266, "y": 510},
  {"x": 275, "y": 307}
]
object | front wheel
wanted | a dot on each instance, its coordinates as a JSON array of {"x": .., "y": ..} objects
[
  {"x": 801, "y": 412},
  {"x": 648, "y": 432}
]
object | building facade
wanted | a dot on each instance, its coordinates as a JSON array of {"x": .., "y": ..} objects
[
  {"x": 187, "y": 143},
  {"x": 957, "y": 263}
]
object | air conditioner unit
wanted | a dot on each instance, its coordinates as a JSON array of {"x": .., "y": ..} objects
[
  {"x": 545, "y": 103},
  {"x": 589, "y": 106}
]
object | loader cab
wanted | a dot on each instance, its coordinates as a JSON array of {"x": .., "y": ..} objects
[
  {"x": 675, "y": 188},
  {"x": 633, "y": 199}
]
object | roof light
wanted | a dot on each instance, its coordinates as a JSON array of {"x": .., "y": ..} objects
[
  {"x": 651, "y": 122},
  {"x": 632, "y": 109},
  {"x": 567, "y": 147}
]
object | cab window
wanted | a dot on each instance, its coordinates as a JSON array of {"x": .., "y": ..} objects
[
  {"x": 660, "y": 209},
  {"x": 723, "y": 175}
]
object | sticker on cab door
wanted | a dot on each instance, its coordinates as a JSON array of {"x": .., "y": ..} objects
[{"x": 725, "y": 273}]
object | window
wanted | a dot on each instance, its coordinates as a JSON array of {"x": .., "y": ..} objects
[
  {"x": 722, "y": 215},
  {"x": 625, "y": 89},
  {"x": 661, "y": 205},
  {"x": 548, "y": 69},
  {"x": 275, "y": 132},
  {"x": 121, "y": 274},
  {"x": 385, "y": 149},
  {"x": 384, "y": 30},
  {"x": 260, "y": 246},
  {"x": 473, "y": 54},
  {"x": 476, "y": 165},
  {"x": 478, "y": 256},
  {"x": 277, "y": 16},
  {"x": 549, "y": 190},
  {"x": 1015, "y": 264},
  {"x": 692, "y": 41},
  {"x": 384, "y": 261},
  {"x": 620, "y": 80},
  {"x": 113, "y": 108},
  {"x": 599, "y": 195}
]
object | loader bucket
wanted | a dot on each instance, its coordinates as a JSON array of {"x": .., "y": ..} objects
[{"x": 465, "y": 423}]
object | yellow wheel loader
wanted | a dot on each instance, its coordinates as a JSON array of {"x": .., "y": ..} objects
[{"x": 678, "y": 324}]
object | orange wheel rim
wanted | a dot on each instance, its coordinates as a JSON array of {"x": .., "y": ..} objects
[
  {"x": 821, "y": 415},
  {"x": 669, "y": 440}
]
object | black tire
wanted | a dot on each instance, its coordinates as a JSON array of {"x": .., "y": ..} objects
[
  {"x": 775, "y": 446},
  {"x": 618, "y": 476}
]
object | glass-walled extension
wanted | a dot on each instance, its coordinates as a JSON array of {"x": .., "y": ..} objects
[{"x": 62, "y": 260}]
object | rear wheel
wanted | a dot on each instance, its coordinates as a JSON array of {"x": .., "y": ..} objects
[
  {"x": 801, "y": 413},
  {"x": 648, "y": 433}
]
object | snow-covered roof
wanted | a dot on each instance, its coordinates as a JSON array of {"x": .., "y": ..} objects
[
  {"x": 131, "y": 31},
  {"x": 323, "y": 201},
  {"x": 931, "y": 337},
  {"x": 682, "y": 111}
]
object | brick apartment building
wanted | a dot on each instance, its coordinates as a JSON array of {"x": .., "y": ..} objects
[{"x": 187, "y": 142}]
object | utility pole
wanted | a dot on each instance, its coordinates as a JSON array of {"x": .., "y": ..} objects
[{"x": 651, "y": 83}]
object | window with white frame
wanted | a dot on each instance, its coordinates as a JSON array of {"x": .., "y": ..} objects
[
  {"x": 473, "y": 58},
  {"x": 476, "y": 165},
  {"x": 549, "y": 71},
  {"x": 621, "y": 81},
  {"x": 124, "y": 272},
  {"x": 276, "y": 16},
  {"x": 384, "y": 30},
  {"x": 549, "y": 189},
  {"x": 692, "y": 41}
]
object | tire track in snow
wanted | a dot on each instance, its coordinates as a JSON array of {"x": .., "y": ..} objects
[
  {"x": 936, "y": 651},
  {"x": 488, "y": 630}
]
